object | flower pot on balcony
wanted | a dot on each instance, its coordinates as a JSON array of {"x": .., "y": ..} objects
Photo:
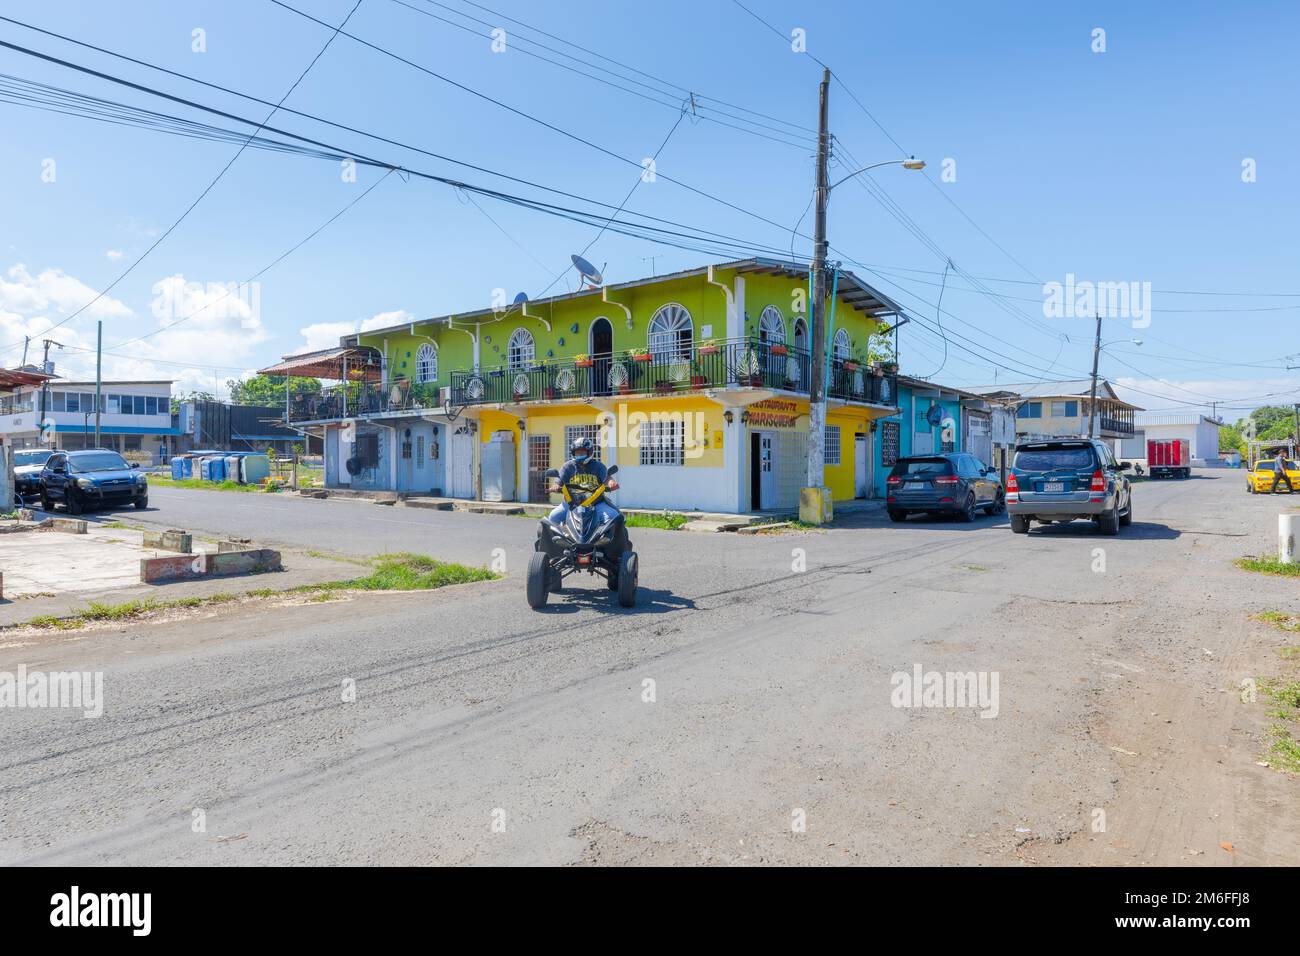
[
  {"x": 850, "y": 366},
  {"x": 698, "y": 381},
  {"x": 548, "y": 394},
  {"x": 778, "y": 350},
  {"x": 663, "y": 388},
  {"x": 707, "y": 350},
  {"x": 584, "y": 363},
  {"x": 641, "y": 356}
]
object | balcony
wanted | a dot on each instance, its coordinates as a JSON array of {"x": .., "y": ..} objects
[
  {"x": 745, "y": 363},
  {"x": 1116, "y": 426},
  {"x": 361, "y": 398},
  {"x": 16, "y": 408}
]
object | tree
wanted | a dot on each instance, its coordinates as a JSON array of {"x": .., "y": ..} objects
[
  {"x": 190, "y": 397},
  {"x": 1230, "y": 439},
  {"x": 269, "y": 389}
]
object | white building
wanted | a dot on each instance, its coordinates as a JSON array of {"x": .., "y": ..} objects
[
  {"x": 1201, "y": 432},
  {"x": 134, "y": 416}
]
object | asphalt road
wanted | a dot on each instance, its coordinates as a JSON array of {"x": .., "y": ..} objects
[{"x": 743, "y": 712}]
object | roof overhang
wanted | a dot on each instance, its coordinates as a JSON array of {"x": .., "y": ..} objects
[
  {"x": 356, "y": 363},
  {"x": 18, "y": 377}
]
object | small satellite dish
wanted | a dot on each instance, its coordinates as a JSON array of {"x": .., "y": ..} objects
[
  {"x": 588, "y": 272},
  {"x": 934, "y": 415},
  {"x": 521, "y": 298}
]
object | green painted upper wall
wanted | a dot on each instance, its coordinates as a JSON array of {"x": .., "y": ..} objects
[{"x": 571, "y": 321}]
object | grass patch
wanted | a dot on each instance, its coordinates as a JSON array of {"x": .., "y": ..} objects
[
  {"x": 665, "y": 521},
  {"x": 1268, "y": 566},
  {"x": 1284, "y": 751},
  {"x": 98, "y": 611},
  {"x": 202, "y": 485},
  {"x": 1291, "y": 653},
  {"x": 404, "y": 571},
  {"x": 1287, "y": 622},
  {"x": 331, "y": 556},
  {"x": 10, "y": 514}
]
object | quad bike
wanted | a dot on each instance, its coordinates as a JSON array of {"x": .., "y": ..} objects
[{"x": 580, "y": 541}]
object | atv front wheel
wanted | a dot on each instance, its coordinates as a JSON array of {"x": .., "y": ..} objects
[
  {"x": 628, "y": 566},
  {"x": 539, "y": 574}
]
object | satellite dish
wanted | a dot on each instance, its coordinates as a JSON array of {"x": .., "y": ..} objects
[
  {"x": 934, "y": 415},
  {"x": 521, "y": 298},
  {"x": 588, "y": 272}
]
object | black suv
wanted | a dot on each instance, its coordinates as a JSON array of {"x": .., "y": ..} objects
[
  {"x": 95, "y": 478},
  {"x": 955, "y": 483}
]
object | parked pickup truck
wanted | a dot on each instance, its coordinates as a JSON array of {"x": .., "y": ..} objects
[{"x": 1169, "y": 457}]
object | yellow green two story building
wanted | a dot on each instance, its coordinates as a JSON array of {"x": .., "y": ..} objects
[{"x": 695, "y": 384}]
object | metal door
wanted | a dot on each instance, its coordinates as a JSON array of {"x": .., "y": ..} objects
[
  {"x": 861, "y": 466},
  {"x": 539, "y": 459},
  {"x": 767, "y": 470},
  {"x": 462, "y": 463}
]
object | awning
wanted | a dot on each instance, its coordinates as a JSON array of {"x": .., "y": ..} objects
[
  {"x": 16, "y": 377},
  {"x": 355, "y": 363}
]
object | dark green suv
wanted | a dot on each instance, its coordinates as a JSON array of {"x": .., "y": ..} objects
[{"x": 1066, "y": 478}]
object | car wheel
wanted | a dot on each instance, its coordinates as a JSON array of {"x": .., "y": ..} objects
[
  {"x": 1126, "y": 518},
  {"x": 46, "y": 504},
  {"x": 967, "y": 512},
  {"x": 72, "y": 503},
  {"x": 1108, "y": 523},
  {"x": 1020, "y": 524},
  {"x": 539, "y": 569},
  {"x": 628, "y": 568},
  {"x": 999, "y": 505},
  {"x": 142, "y": 503},
  {"x": 896, "y": 515}
]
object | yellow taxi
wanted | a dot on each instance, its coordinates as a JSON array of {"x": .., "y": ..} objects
[{"x": 1259, "y": 480}]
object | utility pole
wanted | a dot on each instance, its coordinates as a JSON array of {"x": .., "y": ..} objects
[
  {"x": 1092, "y": 397},
  {"x": 99, "y": 379},
  {"x": 45, "y": 386},
  {"x": 817, "y": 307}
]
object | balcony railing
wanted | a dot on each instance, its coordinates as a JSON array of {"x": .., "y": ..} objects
[
  {"x": 357, "y": 399},
  {"x": 734, "y": 362},
  {"x": 748, "y": 362},
  {"x": 16, "y": 408},
  {"x": 1116, "y": 425}
]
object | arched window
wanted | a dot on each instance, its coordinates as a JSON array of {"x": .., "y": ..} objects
[
  {"x": 671, "y": 332},
  {"x": 520, "y": 351},
  {"x": 771, "y": 326},
  {"x": 843, "y": 348},
  {"x": 426, "y": 364},
  {"x": 801, "y": 335}
]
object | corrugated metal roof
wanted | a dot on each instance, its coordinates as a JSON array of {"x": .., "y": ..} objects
[{"x": 1173, "y": 418}]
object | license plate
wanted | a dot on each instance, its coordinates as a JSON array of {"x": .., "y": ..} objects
[
  {"x": 913, "y": 486},
  {"x": 1050, "y": 486}
]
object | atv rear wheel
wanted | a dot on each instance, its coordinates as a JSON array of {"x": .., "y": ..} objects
[{"x": 539, "y": 574}]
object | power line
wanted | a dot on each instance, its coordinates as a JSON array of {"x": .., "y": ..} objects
[{"x": 207, "y": 189}]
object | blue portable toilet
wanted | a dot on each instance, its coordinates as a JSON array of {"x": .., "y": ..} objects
[{"x": 178, "y": 470}]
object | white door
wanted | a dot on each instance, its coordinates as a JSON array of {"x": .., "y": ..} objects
[
  {"x": 767, "y": 470},
  {"x": 861, "y": 466},
  {"x": 462, "y": 463}
]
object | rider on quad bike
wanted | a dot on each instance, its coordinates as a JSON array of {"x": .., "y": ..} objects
[{"x": 582, "y": 474}]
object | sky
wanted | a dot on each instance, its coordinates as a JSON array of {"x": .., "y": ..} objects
[{"x": 1152, "y": 143}]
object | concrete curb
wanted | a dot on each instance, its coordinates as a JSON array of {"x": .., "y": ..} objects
[{"x": 175, "y": 567}]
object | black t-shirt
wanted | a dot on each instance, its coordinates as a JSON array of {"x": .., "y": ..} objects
[{"x": 585, "y": 477}]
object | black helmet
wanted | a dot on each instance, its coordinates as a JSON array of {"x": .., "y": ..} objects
[{"x": 582, "y": 449}]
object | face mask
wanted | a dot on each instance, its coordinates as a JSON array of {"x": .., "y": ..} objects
[{"x": 580, "y": 458}]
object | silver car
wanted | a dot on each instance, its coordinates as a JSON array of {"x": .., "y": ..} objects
[{"x": 1067, "y": 478}]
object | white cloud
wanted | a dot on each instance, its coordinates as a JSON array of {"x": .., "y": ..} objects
[
  {"x": 114, "y": 254},
  {"x": 53, "y": 290},
  {"x": 324, "y": 335}
]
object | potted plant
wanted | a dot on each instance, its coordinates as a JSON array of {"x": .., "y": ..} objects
[
  {"x": 708, "y": 347},
  {"x": 583, "y": 360},
  {"x": 777, "y": 348},
  {"x": 850, "y": 364},
  {"x": 641, "y": 356}
]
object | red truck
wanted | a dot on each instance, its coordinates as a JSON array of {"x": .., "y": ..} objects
[{"x": 1169, "y": 457}]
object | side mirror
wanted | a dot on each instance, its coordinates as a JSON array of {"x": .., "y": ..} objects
[
  {"x": 135, "y": 464},
  {"x": 613, "y": 470},
  {"x": 551, "y": 473}
]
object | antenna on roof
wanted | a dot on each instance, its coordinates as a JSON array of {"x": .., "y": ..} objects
[{"x": 590, "y": 274}]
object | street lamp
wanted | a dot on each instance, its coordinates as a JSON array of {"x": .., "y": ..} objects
[
  {"x": 817, "y": 387},
  {"x": 1098, "y": 345}
]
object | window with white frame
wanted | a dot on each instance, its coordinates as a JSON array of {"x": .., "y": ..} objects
[
  {"x": 771, "y": 326},
  {"x": 661, "y": 443},
  {"x": 831, "y": 451},
  {"x": 573, "y": 432},
  {"x": 671, "y": 332},
  {"x": 801, "y": 334},
  {"x": 521, "y": 350},
  {"x": 842, "y": 347},
  {"x": 426, "y": 363}
]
